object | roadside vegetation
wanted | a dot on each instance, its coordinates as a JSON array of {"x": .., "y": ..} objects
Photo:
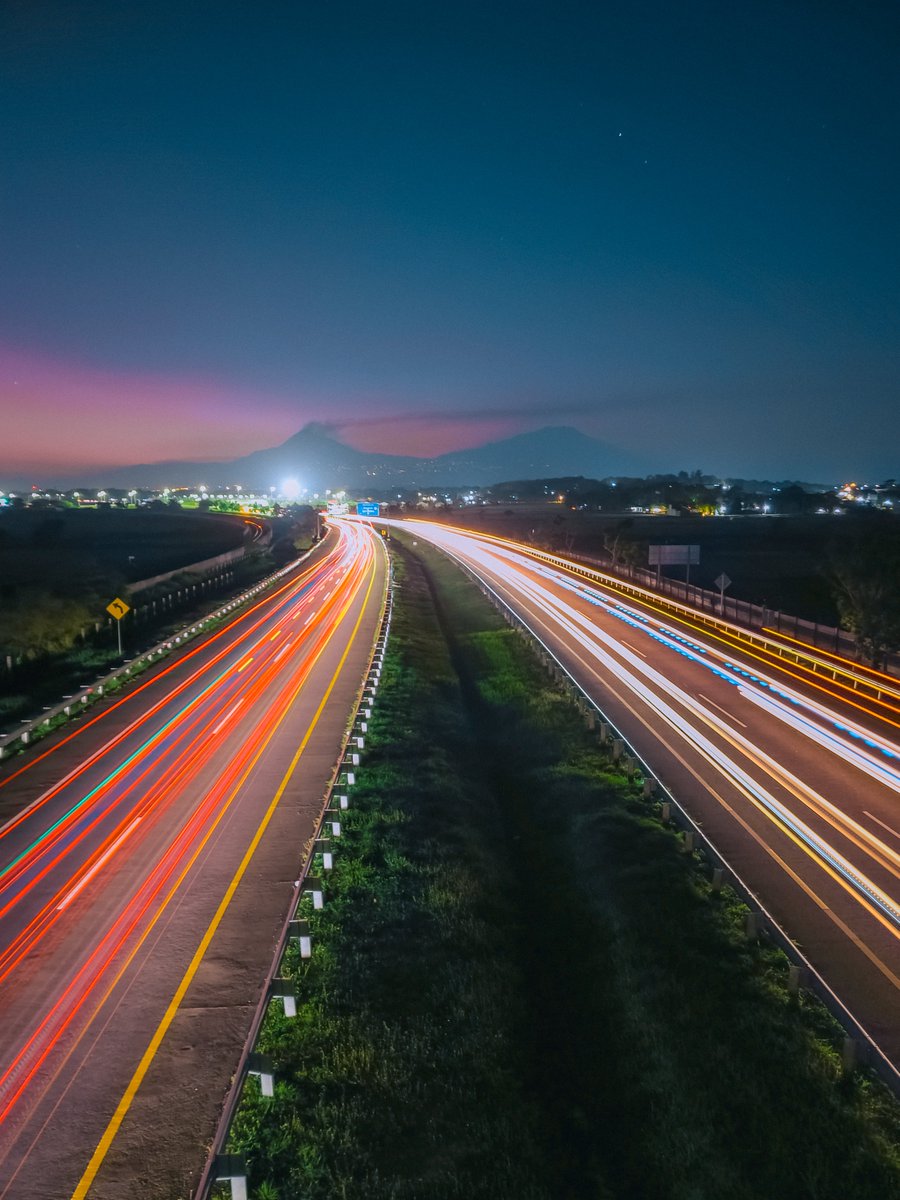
[
  {"x": 55, "y": 636},
  {"x": 865, "y": 578},
  {"x": 520, "y": 987}
]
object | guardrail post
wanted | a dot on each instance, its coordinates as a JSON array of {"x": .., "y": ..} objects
[
  {"x": 342, "y": 801},
  {"x": 650, "y": 785},
  {"x": 718, "y": 878},
  {"x": 232, "y": 1169},
  {"x": 752, "y": 925},
  {"x": 333, "y": 818},
  {"x": 323, "y": 846},
  {"x": 261, "y": 1065},
  {"x": 298, "y": 931},
  {"x": 313, "y": 887},
  {"x": 618, "y": 749},
  {"x": 665, "y": 812},
  {"x": 795, "y": 978},
  {"x": 283, "y": 990},
  {"x": 689, "y": 845}
]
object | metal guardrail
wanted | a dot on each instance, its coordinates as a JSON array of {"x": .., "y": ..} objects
[
  {"x": 221, "y": 1166},
  {"x": 809, "y": 635},
  {"x": 226, "y": 558},
  {"x": 858, "y": 1037},
  {"x": 88, "y": 694},
  {"x": 808, "y": 657}
]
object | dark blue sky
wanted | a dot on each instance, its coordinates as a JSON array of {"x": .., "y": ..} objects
[{"x": 674, "y": 226}]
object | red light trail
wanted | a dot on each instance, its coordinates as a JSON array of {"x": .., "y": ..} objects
[{"x": 111, "y": 845}]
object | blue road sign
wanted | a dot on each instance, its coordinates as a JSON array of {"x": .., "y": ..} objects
[{"x": 368, "y": 510}]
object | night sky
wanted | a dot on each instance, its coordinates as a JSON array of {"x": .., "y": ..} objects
[{"x": 674, "y": 226}]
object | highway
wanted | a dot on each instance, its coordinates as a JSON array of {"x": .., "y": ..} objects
[
  {"x": 146, "y": 865},
  {"x": 794, "y": 776}
]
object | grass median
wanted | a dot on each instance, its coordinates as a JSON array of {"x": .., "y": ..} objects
[{"x": 520, "y": 987}]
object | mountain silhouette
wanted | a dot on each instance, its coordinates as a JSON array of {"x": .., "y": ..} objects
[{"x": 318, "y": 460}]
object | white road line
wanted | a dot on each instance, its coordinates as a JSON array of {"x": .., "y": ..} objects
[
  {"x": 872, "y": 817},
  {"x": 70, "y": 896},
  {"x": 723, "y": 711},
  {"x": 228, "y": 715},
  {"x": 634, "y": 648}
]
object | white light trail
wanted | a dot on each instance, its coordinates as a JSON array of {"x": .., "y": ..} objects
[
  {"x": 637, "y": 675},
  {"x": 89, "y": 875}
]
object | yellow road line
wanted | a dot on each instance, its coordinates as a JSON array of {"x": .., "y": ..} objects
[
  {"x": 198, "y": 850},
  {"x": 761, "y": 842},
  {"x": 221, "y": 812},
  {"x": 143, "y": 1066}
]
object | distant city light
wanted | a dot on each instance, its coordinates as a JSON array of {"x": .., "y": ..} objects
[{"x": 290, "y": 489}]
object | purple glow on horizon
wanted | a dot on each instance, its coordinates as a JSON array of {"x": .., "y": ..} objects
[
  {"x": 73, "y": 416},
  {"x": 70, "y": 416}
]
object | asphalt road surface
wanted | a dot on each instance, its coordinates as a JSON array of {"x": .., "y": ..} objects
[
  {"x": 148, "y": 859},
  {"x": 792, "y": 771}
]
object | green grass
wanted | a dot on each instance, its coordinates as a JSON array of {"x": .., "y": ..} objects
[
  {"x": 521, "y": 987},
  {"x": 403, "y": 1074}
]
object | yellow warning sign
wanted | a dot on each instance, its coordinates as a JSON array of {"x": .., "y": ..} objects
[{"x": 118, "y": 608}]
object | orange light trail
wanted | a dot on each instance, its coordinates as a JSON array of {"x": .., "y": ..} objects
[
  {"x": 127, "y": 813},
  {"x": 752, "y": 645},
  {"x": 743, "y": 761},
  {"x": 286, "y": 592}
]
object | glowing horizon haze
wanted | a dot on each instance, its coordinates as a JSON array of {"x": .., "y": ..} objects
[
  {"x": 673, "y": 227},
  {"x": 88, "y": 418}
]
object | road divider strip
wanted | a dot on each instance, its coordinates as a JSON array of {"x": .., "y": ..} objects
[{"x": 221, "y": 1166}]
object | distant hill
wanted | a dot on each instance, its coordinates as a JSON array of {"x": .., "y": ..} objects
[
  {"x": 554, "y": 450},
  {"x": 318, "y": 460}
]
